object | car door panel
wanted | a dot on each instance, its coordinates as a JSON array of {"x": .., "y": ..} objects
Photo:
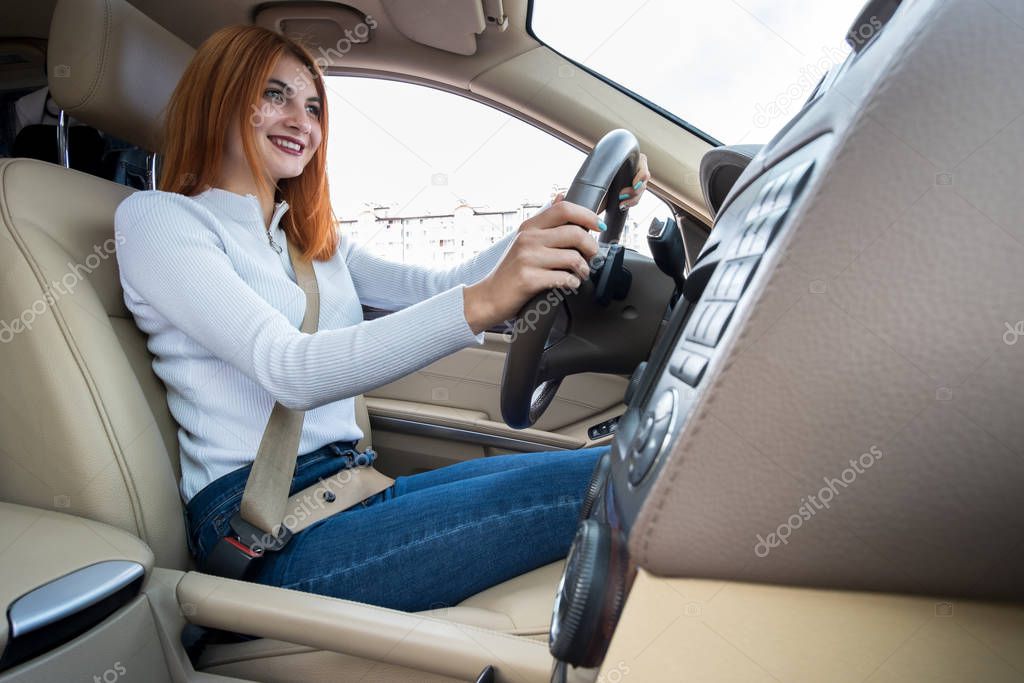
[{"x": 450, "y": 411}]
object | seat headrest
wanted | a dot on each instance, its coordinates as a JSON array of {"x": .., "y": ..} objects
[{"x": 113, "y": 67}]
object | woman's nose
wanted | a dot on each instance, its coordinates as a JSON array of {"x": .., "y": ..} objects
[
  {"x": 298, "y": 117},
  {"x": 300, "y": 122}
]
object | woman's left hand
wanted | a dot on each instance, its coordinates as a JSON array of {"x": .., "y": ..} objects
[{"x": 630, "y": 196}]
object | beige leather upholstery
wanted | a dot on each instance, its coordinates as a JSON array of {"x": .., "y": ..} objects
[
  {"x": 416, "y": 641},
  {"x": 889, "y": 323},
  {"x": 38, "y": 546},
  {"x": 108, "y": 63},
  {"x": 85, "y": 427},
  {"x": 719, "y": 631}
]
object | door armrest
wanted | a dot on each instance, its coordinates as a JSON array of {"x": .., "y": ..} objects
[{"x": 409, "y": 640}]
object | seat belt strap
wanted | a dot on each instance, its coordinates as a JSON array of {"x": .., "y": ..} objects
[
  {"x": 267, "y": 516},
  {"x": 266, "y": 490}
]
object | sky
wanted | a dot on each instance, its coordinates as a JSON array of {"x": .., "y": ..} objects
[{"x": 737, "y": 69}]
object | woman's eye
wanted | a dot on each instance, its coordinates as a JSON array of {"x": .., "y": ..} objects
[
  {"x": 314, "y": 110},
  {"x": 274, "y": 95}
]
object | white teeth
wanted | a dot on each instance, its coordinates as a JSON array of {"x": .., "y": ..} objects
[{"x": 287, "y": 144}]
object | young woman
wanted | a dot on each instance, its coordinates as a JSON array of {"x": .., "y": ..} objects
[{"x": 207, "y": 276}]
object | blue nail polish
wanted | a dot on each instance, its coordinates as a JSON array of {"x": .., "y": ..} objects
[
  {"x": 638, "y": 185},
  {"x": 623, "y": 196},
  {"x": 601, "y": 225}
]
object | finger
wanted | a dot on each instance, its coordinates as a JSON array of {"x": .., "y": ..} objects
[
  {"x": 559, "y": 279},
  {"x": 562, "y": 213},
  {"x": 536, "y": 280},
  {"x": 630, "y": 196},
  {"x": 568, "y": 260},
  {"x": 643, "y": 174},
  {"x": 630, "y": 203},
  {"x": 558, "y": 197},
  {"x": 569, "y": 237},
  {"x": 640, "y": 179}
]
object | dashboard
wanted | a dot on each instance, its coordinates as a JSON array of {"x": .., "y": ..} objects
[
  {"x": 751, "y": 231},
  {"x": 744, "y": 244}
]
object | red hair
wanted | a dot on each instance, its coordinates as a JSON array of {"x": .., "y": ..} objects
[{"x": 224, "y": 83}]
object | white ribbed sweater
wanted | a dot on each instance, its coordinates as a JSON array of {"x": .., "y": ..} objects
[{"x": 222, "y": 311}]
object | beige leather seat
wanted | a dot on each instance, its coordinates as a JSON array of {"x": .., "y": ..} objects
[{"x": 85, "y": 427}]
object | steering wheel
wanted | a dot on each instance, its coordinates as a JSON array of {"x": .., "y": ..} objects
[{"x": 550, "y": 338}]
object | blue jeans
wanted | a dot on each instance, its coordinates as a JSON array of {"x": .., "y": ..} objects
[{"x": 430, "y": 540}]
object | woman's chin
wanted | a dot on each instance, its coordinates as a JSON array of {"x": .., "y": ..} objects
[{"x": 286, "y": 173}]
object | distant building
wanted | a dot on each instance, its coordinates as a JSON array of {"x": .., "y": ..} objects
[
  {"x": 445, "y": 239},
  {"x": 435, "y": 240}
]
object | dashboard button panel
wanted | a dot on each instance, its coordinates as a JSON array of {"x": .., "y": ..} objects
[
  {"x": 732, "y": 279},
  {"x": 645, "y": 451},
  {"x": 689, "y": 368},
  {"x": 710, "y": 319}
]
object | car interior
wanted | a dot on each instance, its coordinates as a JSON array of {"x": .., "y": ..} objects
[{"x": 808, "y": 388}]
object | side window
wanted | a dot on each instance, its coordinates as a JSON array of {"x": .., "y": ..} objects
[{"x": 422, "y": 176}]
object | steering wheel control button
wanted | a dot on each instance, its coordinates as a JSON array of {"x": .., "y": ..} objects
[
  {"x": 690, "y": 368},
  {"x": 711, "y": 320}
]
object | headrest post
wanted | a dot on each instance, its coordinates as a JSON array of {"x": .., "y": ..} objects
[
  {"x": 151, "y": 161},
  {"x": 62, "y": 140}
]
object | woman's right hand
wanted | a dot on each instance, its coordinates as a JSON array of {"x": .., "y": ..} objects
[{"x": 551, "y": 250}]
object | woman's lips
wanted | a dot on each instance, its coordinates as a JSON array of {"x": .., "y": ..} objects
[{"x": 280, "y": 143}]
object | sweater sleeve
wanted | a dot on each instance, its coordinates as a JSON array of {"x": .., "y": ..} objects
[
  {"x": 389, "y": 285},
  {"x": 170, "y": 256}
]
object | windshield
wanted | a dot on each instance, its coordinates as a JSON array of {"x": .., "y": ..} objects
[{"x": 735, "y": 69}]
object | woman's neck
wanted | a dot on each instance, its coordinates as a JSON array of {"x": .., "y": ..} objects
[{"x": 265, "y": 199}]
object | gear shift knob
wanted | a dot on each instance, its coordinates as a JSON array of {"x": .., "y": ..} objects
[{"x": 666, "y": 243}]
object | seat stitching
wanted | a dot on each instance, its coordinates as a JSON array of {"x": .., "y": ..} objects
[{"x": 76, "y": 354}]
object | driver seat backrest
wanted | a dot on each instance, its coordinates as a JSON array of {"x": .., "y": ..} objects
[{"x": 85, "y": 428}]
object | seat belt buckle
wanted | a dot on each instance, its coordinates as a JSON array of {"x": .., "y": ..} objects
[
  {"x": 257, "y": 539},
  {"x": 233, "y": 559},
  {"x": 239, "y": 555}
]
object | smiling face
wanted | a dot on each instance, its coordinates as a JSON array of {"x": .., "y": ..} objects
[{"x": 286, "y": 124}]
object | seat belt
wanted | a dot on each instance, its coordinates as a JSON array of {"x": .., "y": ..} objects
[{"x": 268, "y": 517}]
